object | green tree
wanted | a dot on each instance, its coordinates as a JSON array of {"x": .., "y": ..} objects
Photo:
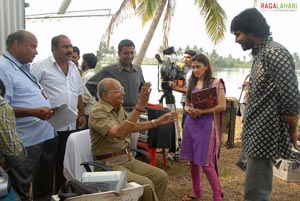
[
  {"x": 152, "y": 10},
  {"x": 147, "y": 10}
]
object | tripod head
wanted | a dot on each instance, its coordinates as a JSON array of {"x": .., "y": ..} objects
[
  {"x": 170, "y": 99},
  {"x": 167, "y": 93}
]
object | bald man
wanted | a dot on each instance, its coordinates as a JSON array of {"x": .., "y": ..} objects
[
  {"x": 32, "y": 109},
  {"x": 110, "y": 125}
]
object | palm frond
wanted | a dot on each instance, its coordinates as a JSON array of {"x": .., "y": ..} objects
[
  {"x": 145, "y": 9},
  {"x": 119, "y": 17},
  {"x": 215, "y": 18}
]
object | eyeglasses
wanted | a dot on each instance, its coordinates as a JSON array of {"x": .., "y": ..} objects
[{"x": 119, "y": 90}]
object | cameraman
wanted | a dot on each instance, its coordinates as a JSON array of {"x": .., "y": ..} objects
[{"x": 187, "y": 71}]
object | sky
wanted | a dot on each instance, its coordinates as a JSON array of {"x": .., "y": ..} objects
[{"x": 187, "y": 26}]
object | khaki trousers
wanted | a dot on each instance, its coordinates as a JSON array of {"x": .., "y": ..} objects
[{"x": 155, "y": 179}]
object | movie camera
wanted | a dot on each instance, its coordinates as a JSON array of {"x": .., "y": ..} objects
[{"x": 169, "y": 70}]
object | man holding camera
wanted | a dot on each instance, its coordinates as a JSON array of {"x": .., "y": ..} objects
[{"x": 187, "y": 71}]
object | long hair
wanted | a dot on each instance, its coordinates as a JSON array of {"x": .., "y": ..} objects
[{"x": 192, "y": 82}]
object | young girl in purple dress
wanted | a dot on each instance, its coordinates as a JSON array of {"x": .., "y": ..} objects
[{"x": 202, "y": 132}]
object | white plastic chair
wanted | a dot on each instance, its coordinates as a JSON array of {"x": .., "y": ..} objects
[{"x": 78, "y": 151}]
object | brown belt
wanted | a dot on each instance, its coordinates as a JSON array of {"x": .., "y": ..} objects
[{"x": 105, "y": 156}]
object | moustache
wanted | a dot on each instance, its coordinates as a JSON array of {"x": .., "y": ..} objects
[{"x": 69, "y": 54}]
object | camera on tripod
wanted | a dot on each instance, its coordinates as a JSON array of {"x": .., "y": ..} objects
[{"x": 170, "y": 71}]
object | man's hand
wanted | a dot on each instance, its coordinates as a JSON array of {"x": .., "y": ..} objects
[
  {"x": 44, "y": 113},
  {"x": 172, "y": 84},
  {"x": 144, "y": 95},
  {"x": 167, "y": 118},
  {"x": 81, "y": 121},
  {"x": 292, "y": 121}
]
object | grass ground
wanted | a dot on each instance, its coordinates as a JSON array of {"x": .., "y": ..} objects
[{"x": 231, "y": 177}]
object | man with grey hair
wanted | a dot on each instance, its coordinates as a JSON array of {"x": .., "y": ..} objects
[
  {"x": 129, "y": 75},
  {"x": 110, "y": 126}
]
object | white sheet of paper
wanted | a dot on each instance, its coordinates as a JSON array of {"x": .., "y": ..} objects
[{"x": 63, "y": 116}]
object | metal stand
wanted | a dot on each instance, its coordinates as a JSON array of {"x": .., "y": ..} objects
[
  {"x": 231, "y": 125},
  {"x": 170, "y": 104}
]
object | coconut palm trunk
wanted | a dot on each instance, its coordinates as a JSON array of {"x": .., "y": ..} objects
[{"x": 155, "y": 20}]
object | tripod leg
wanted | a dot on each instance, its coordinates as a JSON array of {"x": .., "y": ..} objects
[
  {"x": 170, "y": 104},
  {"x": 172, "y": 108}
]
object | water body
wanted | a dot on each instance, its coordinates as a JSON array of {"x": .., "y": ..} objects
[{"x": 233, "y": 79}]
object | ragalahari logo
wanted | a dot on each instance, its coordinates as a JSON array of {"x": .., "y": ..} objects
[{"x": 275, "y": 5}]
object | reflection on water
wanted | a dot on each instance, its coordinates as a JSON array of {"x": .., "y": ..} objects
[{"x": 233, "y": 79}]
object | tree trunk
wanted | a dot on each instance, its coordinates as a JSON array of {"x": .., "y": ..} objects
[
  {"x": 64, "y": 6},
  {"x": 158, "y": 13}
]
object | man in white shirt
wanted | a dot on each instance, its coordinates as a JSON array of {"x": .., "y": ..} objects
[
  {"x": 62, "y": 83},
  {"x": 89, "y": 61}
]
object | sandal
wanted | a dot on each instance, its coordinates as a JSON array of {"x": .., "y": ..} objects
[{"x": 189, "y": 198}]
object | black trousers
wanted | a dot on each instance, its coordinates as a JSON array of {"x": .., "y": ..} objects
[
  {"x": 39, "y": 155},
  {"x": 62, "y": 137}
]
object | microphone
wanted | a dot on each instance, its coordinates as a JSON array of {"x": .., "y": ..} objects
[{"x": 157, "y": 56}]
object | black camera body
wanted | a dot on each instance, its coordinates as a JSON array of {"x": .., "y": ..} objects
[{"x": 169, "y": 71}]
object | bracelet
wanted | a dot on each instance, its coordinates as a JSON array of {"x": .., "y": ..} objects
[
  {"x": 130, "y": 122},
  {"x": 81, "y": 115},
  {"x": 154, "y": 123},
  {"x": 137, "y": 109}
]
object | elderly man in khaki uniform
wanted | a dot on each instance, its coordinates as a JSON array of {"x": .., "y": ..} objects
[{"x": 110, "y": 127}]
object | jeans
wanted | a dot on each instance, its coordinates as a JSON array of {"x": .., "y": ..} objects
[{"x": 259, "y": 177}]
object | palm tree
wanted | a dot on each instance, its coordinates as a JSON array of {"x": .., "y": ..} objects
[{"x": 213, "y": 13}]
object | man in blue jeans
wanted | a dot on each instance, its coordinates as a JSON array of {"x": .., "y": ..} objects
[{"x": 270, "y": 122}]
